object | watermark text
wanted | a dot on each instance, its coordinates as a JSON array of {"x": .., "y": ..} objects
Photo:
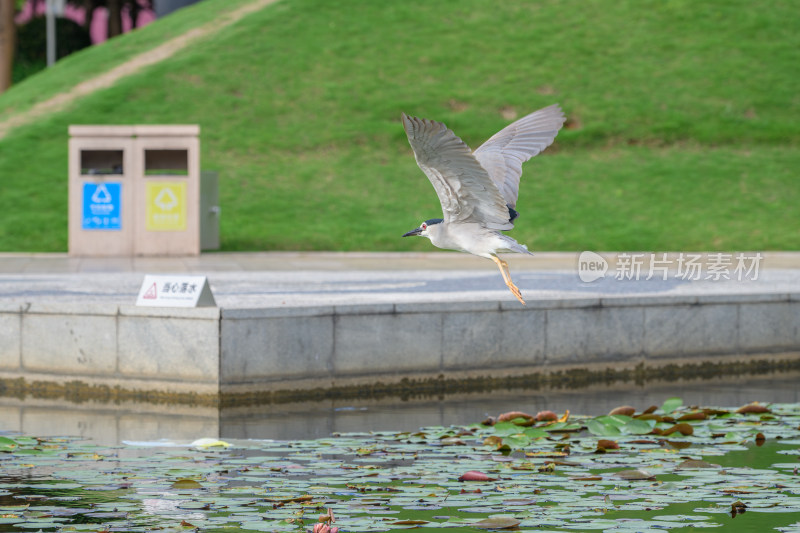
[{"x": 636, "y": 266}]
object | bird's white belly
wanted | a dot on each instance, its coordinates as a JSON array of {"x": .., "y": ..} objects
[{"x": 470, "y": 238}]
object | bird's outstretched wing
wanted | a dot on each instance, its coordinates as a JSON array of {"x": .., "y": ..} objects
[
  {"x": 466, "y": 191},
  {"x": 503, "y": 154}
]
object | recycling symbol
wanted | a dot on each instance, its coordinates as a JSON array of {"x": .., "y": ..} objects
[
  {"x": 166, "y": 199},
  {"x": 101, "y": 195}
]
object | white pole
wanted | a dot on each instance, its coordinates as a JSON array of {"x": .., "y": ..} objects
[{"x": 51, "y": 33}]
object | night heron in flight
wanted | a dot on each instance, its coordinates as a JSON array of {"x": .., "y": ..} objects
[{"x": 478, "y": 190}]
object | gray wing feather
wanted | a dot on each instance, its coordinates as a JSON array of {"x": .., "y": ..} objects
[
  {"x": 503, "y": 154},
  {"x": 465, "y": 190}
]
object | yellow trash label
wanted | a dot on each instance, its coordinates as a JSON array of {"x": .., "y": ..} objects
[{"x": 166, "y": 206}]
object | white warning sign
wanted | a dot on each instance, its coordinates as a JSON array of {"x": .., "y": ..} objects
[{"x": 175, "y": 291}]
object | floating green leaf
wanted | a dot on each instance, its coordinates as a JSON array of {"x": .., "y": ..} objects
[
  {"x": 638, "y": 427},
  {"x": 603, "y": 429},
  {"x": 535, "y": 433},
  {"x": 671, "y": 405},
  {"x": 506, "y": 428},
  {"x": 186, "y": 484},
  {"x": 496, "y": 523},
  {"x": 7, "y": 445}
]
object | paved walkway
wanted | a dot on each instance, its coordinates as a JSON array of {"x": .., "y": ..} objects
[{"x": 277, "y": 279}]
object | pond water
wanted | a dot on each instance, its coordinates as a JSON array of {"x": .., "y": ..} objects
[
  {"x": 670, "y": 467},
  {"x": 111, "y": 424}
]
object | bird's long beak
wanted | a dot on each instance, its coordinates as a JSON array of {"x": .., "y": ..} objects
[{"x": 415, "y": 231}]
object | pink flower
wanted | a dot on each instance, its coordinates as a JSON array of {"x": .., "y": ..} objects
[{"x": 323, "y": 526}]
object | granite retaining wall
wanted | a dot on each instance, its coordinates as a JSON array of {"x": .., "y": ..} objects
[{"x": 207, "y": 353}]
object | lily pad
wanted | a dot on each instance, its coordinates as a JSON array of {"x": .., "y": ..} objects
[{"x": 496, "y": 523}]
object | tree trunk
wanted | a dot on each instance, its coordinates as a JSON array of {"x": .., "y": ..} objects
[
  {"x": 114, "y": 17},
  {"x": 133, "y": 10},
  {"x": 8, "y": 33},
  {"x": 91, "y": 9}
]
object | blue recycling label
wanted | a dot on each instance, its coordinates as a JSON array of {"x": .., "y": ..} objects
[{"x": 101, "y": 206}]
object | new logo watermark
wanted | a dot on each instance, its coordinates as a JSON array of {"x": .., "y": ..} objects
[
  {"x": 738, "y": 266},
  {"x": 591, "y": 266}
]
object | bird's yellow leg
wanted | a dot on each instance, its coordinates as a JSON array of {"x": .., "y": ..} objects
[{"x": 503, "y": 266}]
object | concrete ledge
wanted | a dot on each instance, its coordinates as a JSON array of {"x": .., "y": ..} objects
[
  {"x": 11, "y": 336},
  {"x": 77, "y": 308},
  {"x": 277, "y": 312},
  {"x": 198, "y": 313},
  {"x": 69, "y": 343},
  {"x": 250, "y": 351},
  {"x": 152, "y": 347},
  {"x": 167, "y": 350}
]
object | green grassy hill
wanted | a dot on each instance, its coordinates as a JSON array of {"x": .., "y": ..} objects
[{"x": 683, "y": 128}]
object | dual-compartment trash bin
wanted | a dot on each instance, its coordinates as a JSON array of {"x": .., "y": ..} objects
[{"x": 136, "y": 190}]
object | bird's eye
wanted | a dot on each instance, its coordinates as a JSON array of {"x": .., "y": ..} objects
[{"x": 424, "y": 226}]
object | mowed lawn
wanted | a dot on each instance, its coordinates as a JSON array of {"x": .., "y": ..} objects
[{"x": 682, "y": 134}]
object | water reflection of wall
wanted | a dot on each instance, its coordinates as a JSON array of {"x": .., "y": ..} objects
[
  {"x": 107, "y": 424},
  {"x": 112, "y": 424}
]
